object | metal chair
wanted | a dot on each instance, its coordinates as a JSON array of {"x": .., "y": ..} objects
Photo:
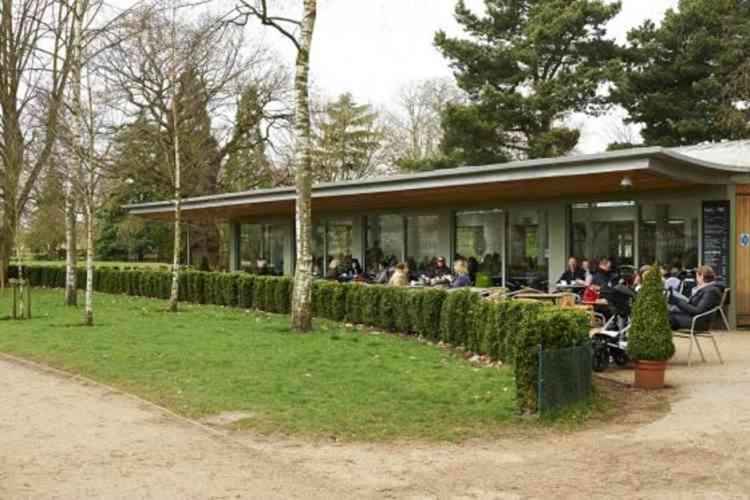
[
  {"x": 693, "y": 334},
  {"x": 724, "y": 298}
]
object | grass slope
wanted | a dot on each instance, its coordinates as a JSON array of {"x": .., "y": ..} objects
[{"x": 204, "y": 360}]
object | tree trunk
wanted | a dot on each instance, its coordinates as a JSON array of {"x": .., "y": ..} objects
[
  {"x": 88, "y": 317},
  {"x": 71, "y": 253},
  {"x": 71, "y": 294},
  {"x": 175, "y": 292},
  {"x": 301, "y": 319}
]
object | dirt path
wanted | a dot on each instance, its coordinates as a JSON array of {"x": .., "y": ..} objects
[{"x": 60, "y": 438}]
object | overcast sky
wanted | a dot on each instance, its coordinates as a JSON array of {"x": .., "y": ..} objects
[{"x": 372, "y": 47}]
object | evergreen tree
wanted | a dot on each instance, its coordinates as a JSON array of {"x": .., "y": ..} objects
[
  {"x": 674, "y": 76},
  {"x": 346, "y": 141},
  {"x": 650, "y": 336},
  {"x": 525, "y": 65},
  {"x": 47, "y": 222},
  {"x": 247, "y": 166},
  {"x": 199, "y": 150}
]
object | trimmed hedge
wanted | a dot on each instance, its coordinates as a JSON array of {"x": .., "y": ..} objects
[{"x": 509, "y": 331}]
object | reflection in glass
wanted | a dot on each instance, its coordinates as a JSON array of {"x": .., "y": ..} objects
[
  {"x": 480, "y": 236},
  {"x": 262, "y": 248},
  {"x": 384, "y": 241},
  {"x": 528, "y": 259},
  {"x": 422, "y": 242},
  {"x": 338, "y": 246},
  {"x": 318, "y": 248},
  {"x": 669, "y": 234},
  {"x": 604, "y": 229}
]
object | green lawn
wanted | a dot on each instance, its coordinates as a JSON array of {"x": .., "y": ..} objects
[{"x": 205, "y": 360}]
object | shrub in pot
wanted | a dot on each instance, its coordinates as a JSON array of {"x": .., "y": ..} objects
[{"x": 650, "y": 338}]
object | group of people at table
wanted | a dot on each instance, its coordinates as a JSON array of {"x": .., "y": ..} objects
[
  {"x": 689, "y": 294},
  {"x": 687, "y": 297},
  {"x": 393, "y": 273}
]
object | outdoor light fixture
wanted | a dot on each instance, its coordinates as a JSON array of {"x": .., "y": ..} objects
[{"x": 626, "y": 182}]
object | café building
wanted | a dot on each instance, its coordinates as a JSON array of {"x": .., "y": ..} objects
[{"x": 520, "y": 221}]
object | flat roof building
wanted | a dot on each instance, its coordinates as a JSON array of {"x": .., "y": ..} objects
[{"x": 680, "y": 207}]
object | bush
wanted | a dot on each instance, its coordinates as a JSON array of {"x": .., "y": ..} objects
[
  {"x": 650, "y": 336},
  {"x": 510, "y": 331},
  {"x": 456, "y": 324}
]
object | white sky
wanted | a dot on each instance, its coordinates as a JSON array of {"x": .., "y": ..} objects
[{"x": 372, "y": 47}]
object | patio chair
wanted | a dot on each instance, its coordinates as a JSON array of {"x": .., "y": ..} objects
[
  {"x": 722, "y": 313},
  {"x": 694, "y": 334}
]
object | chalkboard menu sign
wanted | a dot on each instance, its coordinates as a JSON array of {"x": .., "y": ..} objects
[{"x": 716, "y": 237}]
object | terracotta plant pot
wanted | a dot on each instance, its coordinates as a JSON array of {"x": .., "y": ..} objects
[{"x": 650, "y": 374}]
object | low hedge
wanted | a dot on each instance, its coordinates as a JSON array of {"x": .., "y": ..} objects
[{"x": 509, "y": 331}]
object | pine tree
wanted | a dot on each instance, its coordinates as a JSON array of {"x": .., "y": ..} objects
[
  {"x": 247, "y": 166},
  {"x": 650, "y": 336},
  {"x": 526, "y": 64},
  {"x": 346, "y": 141},
  {"x": 674, "y": 77}
]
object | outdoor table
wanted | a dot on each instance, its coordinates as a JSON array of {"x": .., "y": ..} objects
[
  {"x": 570, "y": 287},
  {"x": 552, "y": 298}
]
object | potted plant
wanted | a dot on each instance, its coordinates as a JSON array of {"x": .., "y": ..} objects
[{"x": 650, "y": 337}]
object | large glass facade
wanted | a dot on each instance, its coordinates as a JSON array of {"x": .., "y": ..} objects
[
  {"x": 422, "y": 242},
  {"x": 318, "y": 249},
  {"x": 480, "y": 235},
  {"x": 384, "y": 241},
  {"x": 528, "y": 248},
  {"x": 605, "y": 229},
  {"x": 262, "y": 248},
  {"x": 339, "y": 252},
  {"x": 669, "y": 234}
]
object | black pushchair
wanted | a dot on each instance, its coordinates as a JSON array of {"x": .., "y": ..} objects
[{"x": 611, "y": 341}]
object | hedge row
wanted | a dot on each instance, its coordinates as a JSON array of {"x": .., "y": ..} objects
[{"x": 509, "y": 331}]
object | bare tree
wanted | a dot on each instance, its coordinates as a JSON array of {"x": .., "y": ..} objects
[
  {"x": 300, "y": 34},
  {"x": 35, "y": 62},
  {"x": 413, "y": 125}
]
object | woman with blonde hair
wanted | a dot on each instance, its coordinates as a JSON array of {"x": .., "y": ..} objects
[
  {"x": 462, "y": 278},
  {"x": 400, "y": 276}
]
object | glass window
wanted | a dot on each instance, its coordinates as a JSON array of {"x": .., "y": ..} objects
[
  {"x": 385, "y": 241},
  {"x": 480, "y": 235},
  {"x": 422, "y": 242},
  {"x": 669, "y": 234},
  {"x": 318, "y": 248},
  {"x": 262, "y": 248},
  {"x": 338, "y": 244},
  {"x": 251, "y": 246},
  {"x": 604, "y": 229},
  {"x": 528, "y": 258}
]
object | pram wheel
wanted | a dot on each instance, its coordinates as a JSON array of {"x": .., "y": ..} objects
[
  {"x": 600, "y": 356},
  {"x": 621, "y": 359}
]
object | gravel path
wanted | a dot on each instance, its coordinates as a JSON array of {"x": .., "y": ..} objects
[{"x": 64, "y": 438}]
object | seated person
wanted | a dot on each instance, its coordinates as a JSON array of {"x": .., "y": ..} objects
[
  {"x": 638, "y": 281},
  {"x": 672, "y": 281},
  {"x": 440, "y": 268},
  {"x": 573, "y": 274},
  {"x": 462, "y": 278},
  {"x": 400, "y": 276},
  {"x": 603, "y": 277},
  {"x": 706, "y": 296}
]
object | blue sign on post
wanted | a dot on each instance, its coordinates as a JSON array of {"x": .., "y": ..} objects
[{"x": 745, "y": 240}]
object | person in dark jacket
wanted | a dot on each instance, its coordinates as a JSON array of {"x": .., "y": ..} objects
[
  {"x": 604, "y": 277},
  {"x": 706, "y": 296},
  {"x": 573, "y": 273}
]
